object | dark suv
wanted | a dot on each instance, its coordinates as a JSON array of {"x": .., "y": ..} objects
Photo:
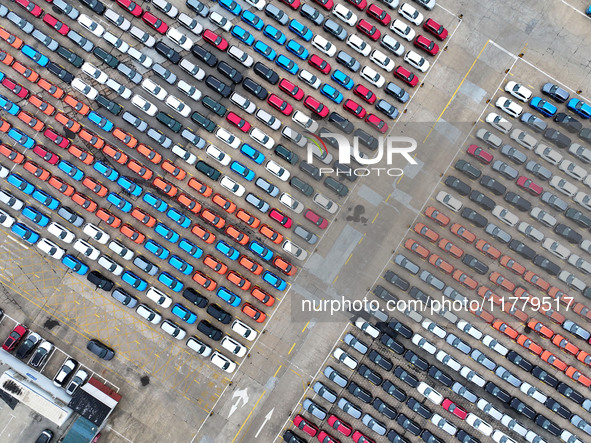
[
  {"x": 210, "y": 171},
  {"x": 100, "y": 281},
  {"x": 219, "y": 314},
  {"x": 105, "y": 57},
  {"x": 301, "y": 186},
  {"x": 219, "y": 86},
  {"x": 266, "y": 73}
]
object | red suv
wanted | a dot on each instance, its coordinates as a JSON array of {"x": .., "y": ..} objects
[
  {"x": 406, "y": 76},
  {"x": 354, "y": 108},
  {"x": 154, "y": 22},
  {"x": 14, "y": 337},
  {"x": 377, "y": 13},
  {"x": 432, "y": 27},
  {"x": 280, "y": 104},
  {"x": 364, "y": 94},
  {"x": 426, "y": 45},
  {"x": 319, "y": 63},
  {"x": 316, "y": 107},
  {"x": 291, "y": 89},
  {"x": 316, "y": 219},
  {"x": 238, "y": 121},
  {"x": 216, "y": 40},
  {"x": 368, "y": 29},
  {"x": 130, "y": 7}
]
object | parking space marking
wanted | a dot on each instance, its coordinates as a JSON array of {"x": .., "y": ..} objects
[
  {"x": 291, "y": 349},
  {"x": 575, "y": 8},
  {"x": 248, "y": 416}
]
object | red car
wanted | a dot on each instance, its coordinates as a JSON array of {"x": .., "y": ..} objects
[
  {"x": 280, "y": 104},
  {"x": 62, "y": 142},
  {"x": 154, "y": 22},
  {"x": 254, "y": 313},
  {"x": 377, "y": 13},
  {"x": 354, "y": 108},
  {"x": 450, "y": 406},
  {"x": 30, "y": 7},
  {"x": 281, "y": 218},
  {"x": 56, "y": 24},
  {"x": 238, "y": 121},
  {"x": 16, "y": 88},
  {"x": 327, "y": 438},
  {"x": 359, "y": 4},
  {"x": 406, "y": 76},
  {"x": 326, "y": 4},
  {"x": 316, "y": 107},
  {"x": 293, "y": 4},
  {"x": 529, "y": 186},
  {"x": 319, "y": 63},
  {"x": 340, "y": 426},
  {"x": 432, "y": 27},
  {"x": 322, "y": 223},
  {"x": 482, "y": 155},
  {"x": 46, "y": 154},
  {"x": 368, "y": 29},
  {"x": 305, "y": 426},
  {"x": 216, "y": 40},
  {"x": 365, "y": 94},
  {"x": 14, "y": 337},
  {"x": 377, "y": 123},
  {"x": 429, "y": 46},
  {"x": 358, "y": 437},
  {"x": 130, "y": 7},
  {"x": 291, "y": 89}
]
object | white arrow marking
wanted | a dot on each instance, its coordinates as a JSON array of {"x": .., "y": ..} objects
[
  {"x": 242, "y": 395},
  {"x": 267, "y": 418}
]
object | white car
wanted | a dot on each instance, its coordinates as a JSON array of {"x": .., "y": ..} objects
[
  {"x": 228, "y": 138},
  {"x": 372, "y": 76},
  {"x": 473, "y": 376},
  {"x": 189, "y": 90},
  {"x": 524, "y": 139},
  {"x": 294, "y": 136},
  {"x": 96, "y": 233},
  {"x": 325, "y": 203},
  {"x": 580, "y": 152},
  {"x": 122, "y": 91},
  {"x": 509, "y": 106},
  {"x": 543, "y": 217},
  {"x": 60, "y": 232},
  {"x": 10, "y": 200},
  {"x": 94, "y": 72},
  {"x": 493, "y": 344},
  {"x": 403, "y": 30},
  {"x": 4, "y": 171},
  {"x": 416, "y": 61},
  {"x": 199, "y": 347},
  {"x": 518, "y": 91},
  {"x": 178, "y": 106},
  {"x": 192, "y": 69},
  {"x": 190, "y": 23},
  {"x": 498, "y": 122},
  {"x": 84, "y": 88},
  {"x": 514, "y": 425},
  {"x": 489, "y": 409},
  {"x": 116, "y": 42},
  {"x": 66, "y": 369},
  {"x": 433, "y": 327},
  {"x": 393, "y": 45},
  {"x": 220, "y": 21},
  {"x": 572, "y": 169},
  {"x": 432, "y": 395},
  {"x": 572, "y": 281},
  {"x": 218, "y": 155},
  {"x": 449, "y": 201},
  {"x": 243, "y": 103},
  {"x": 293, "y": 249},
  {"x": 443, "y": 424},
  {"x": 142, "y": 36},
  {"x": 344, "y": 14},
  {"x": 140, "y": 57},
  {"x": 235, "y": 188},
  {"x": 86, "y": 249},
  {"x": 6, "y": 219},
  {"x": 269, "y": 120},
  {"x": 233, "y": 346},
  {"x": 324, "y": 45},
  {"x": 505, "y": 215},
  {"x": 259, "y": 4},
  {"x": 345, "y": 358},
  {"x": 277, "y": 170},
  {"x": 88, "y": 23},
  {"x": 411, "y": 14},
  {"x": 580, "y": 263},
  {"x": 448, "y": 360},
  {"x": 467, "y": 327},
  {"x": 118, "y": 20},
  {"x": 289, "y": 202},
  {"x": 158, "y": 297},
  {"x": 240, "y": 56},
  {"x": 551, "y": 245},
  {"x": 547, "y": 153},
  {"x": 563, "y": 186},
  {"x": 261, "y": 138},
  {"x": 367, "y": 327},
  {"x": 166, "y": 7},
  {"x": 243, "y": 330},
  {"x": 182, "y": 153},
  {"x": 110, "y": 265},
  {"x": 531, "y": 232},
  {"x": 382, "y": 60},
  {"x": 480, "y": 425},
  {"x": 528, "y": 389},
  {"x": 173, "y": 330},
  {"x": 223, "y": 362},
  {"x": 50, "y": 248},
  {"x": 149, "y": 314},
  {"x": 141, "y": 103},
  {"x": 179, "y": 38},
  {"x": 358, "y": 44},
  {"x": 120, "y": 250},
  {"x": 424, "y": 344},
  {"x": 309, "y": 78},
  {"x": 304, "y": 121},
  {"x": 154, "y": 89}
]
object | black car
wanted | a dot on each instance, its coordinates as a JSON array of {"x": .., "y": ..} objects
[
  {"x": 396, "y": 280},
  {"x": 45, "y": 436},
  {"x": 474, "y": 263},
  {"x": 109, "y": 105},
  {"x": 206, "y": 328},
  {"x": 517, "y": 201},
  {"x": 468, "y": 169},
  {"x": 395, "y": 437},
  {"x": 557, "y": 93},
  {"x": 203, "y": 121},
  {"x": 548, "y": 266},
  {"x": 400, "y": 328},
  {"x": 393, "y": 390},
  {"x": 219, "y": 314},
  {"x": 558, "y": 408},
  {"x": 518, "y": 360},
  {"x": 99, "y": 280},
  {"x": 167, "y": 120},
  {"x": 569, "y": 392},
  {"x": 367, "y": 140},
  {"x": 71, "y": 57},
  {"x": 255, "y": 89},
  {"x": 490, "y": 183},
  {"x": 266, "y": 73},
  {"x": 548, "y": 425},
  {"x": 230, "y": 72},
  {"x": 384, "y": 294},
  {"x": 167, "y": 52},
  {"x": 344, "y": 170},
  {"x": 195, "y": 297},
  {"x": 496, "y": 391},
  {"x": 359, "y": 392},
  {"x": 544, "y": 376},
  {"x": 219, "y": 86},
  {"x": 209, "y": 171},
  {"x": 522, "y": 249},
  {"x": 214, "y": 106},
  {"x": 341, "y": 122},
  {"x": 458, "y": 185},
  {"x": 514, "y": 154},
  {"x": 556, "y": 137},
  {"x": 388, "y": 341},
  {"x": 464, "y": 437},
  {"x": 204, "y": 55},
  {"x": 370, "y": 375},
  {"x": 94, "y": 5},
  {"x": 338, "y": 188},
  {"x": 286, "y": 154},
  {"x": 416, "y": 406},
  {"x": 437, "y": 374},
  {"x": 100, "y": 350},
  {"x": 380, "y": 360},
  {"x": 578, "y": 217},
  {"x": 60, "y": 72},
  {"x": 420, "y": 295},
  {"x": 27, "y": 346},
  {"x": 474, "y": 217},
  {"x": 301, "y": 186},
  {"x": 428, "y": 437},
  {"x": 570, "y": 123},
  {"x": 105, "y": 57},
  {"x": 522, "y": 408},
  {"x": 407, "y": 378},
  {"x": 384, "y": 408},
  {"x": 568, "y": 233},
  {"x": 482, "y": 200},
  {"x": 585, "y": 135},
  {"x": 408, "y": 425},
  {"x": 290, "y": 437},
  {"x": 554, "y": 201},
  {"x": 310, "y": 169}
]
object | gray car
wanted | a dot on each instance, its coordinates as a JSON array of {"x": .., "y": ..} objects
[
  {"x": 47, "y": 41},
  {"x": 70, "y": 216},
  {"x": 23, "y": 24},
  {"x": 269, "y": 188},
  {"x": 137, "y": 122},
  {"x": 481, "y": 358},
  {"x": 405, "y": 263},
  {"x": 373, "y": 424},
  {"x": 348, "y": 408},
  {"x": 430, "y": 279},
  {"x": 164, "y": 73},
  {"x": 276, "y": 14},
  {"x": 130, "y": 73},
  {"x": 460, "y": 345},
  {"x": 514, "y": 154},
  {"x": 84, "y": 43},
  {"x": 397, "y": 92},
  {"x": 356, "y": 344},
  {"x": 335, "y": 29},
  {"x": 575, "y": 329},
  {"x": 145, "y": 265},
  {"x": 328, "y": 394},
  {"x": 66, "y": 8},
  {"x": 301, "y": 186},
  {"x": 261, "y": 205},
  {"x": 538, "y": 170},
  {"x": 498, "y": 233},
  {"x": 534, "y": 122},
  {"x": 312, "y": 14},
  {"x": 554, "y": 201},
  {"x": 124, "y": 298},
  {"x": 460, "y": 389},
  {"x": 348, "y": 61},
  {"x": 335, "y": 376},
  {"x": 505, "y": 170},
  {"x": 302, "y": 232},
  {"x": 313, "y": 408}
]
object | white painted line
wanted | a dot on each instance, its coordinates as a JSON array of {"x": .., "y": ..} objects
[
  {"x": 575, "y": 8},
  {"x": 5, "y": 426},
  {"x": 109, "y": 428},
  {"x": 17, "y": 241},
  {"x": 445, "y": 9}
]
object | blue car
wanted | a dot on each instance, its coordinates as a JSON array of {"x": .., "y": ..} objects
[
  {"x": 579, "y": 107},
  {"x": 275, "y": 34},
  {"x": 252, "y": 153},
  {"x": 170, "y": 282},
  {"x": 45, "y": 199},
  {"x": 179, "y": 218},
  {"x": 342, "y": 79},
  {"x": 228, "y": 296},
  {"x": 296, "y": 49},
  {"x": 332, "y": 93},
  {"x": 169, "y": 234},
  {"x": 227, "y": 250},
  {"x": 35, "y": 55},
  {"x": 108, "y": 172},
  {"x": 20, "y": 183},
  {"x": 231, "y": 6},
  {"x": 8, "y": 106},
  {"x": 184, "y": 314},
  {"x": 24, "y": 232},
  {"x": 134, "y": 281},
  {"x": 288, "y": 64},
  {"x": 181, "y": 265},
  {"x": 243, "y": 35},
  {"x": 253, "y": 20},
  {"x": 130, "y": 186},
  {"x": 35, "y": 216},
  {"x": 119, "y": 201},
  {"x": 277, "y": 282},
  {"x": 71, "y": 170},
  {"x": 300, "y": 30},
  {"x": 21, "y": 138},
  {"x": 74, "y": 264},
  {"x": 265, "y": 50},
  {"x": 102, "y": 122},
  {"x": 261, "y": 250},
  {"x": 156, "y": 249},
  {"x": 155, "y": 202},
  {"x": 543, "y": 107},
  {"x": 242, "y": 170},
  {"x": 190, "y": 248},
  {"x": 2, "y": 76}
]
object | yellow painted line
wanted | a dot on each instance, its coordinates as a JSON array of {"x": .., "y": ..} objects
[
  {"x": 374, "y": 219},
  {"x": 277, "y": 371},
  {"x": 305, "y": 326},
  {"x": 248, "y": 417},
  {"x": 349, "y": 258},
  {"x": 335, "y": 279},
  {"x": 387, "y": 198},
  {"x": 457, "y": 89},
  {"x": 291, "y": 349}
]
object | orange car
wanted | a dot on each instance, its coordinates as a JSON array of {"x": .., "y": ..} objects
[
  {"x": 262, "y": 296},
  {"x": 143, "y": 217},
  {"x": 482, "y": 313},
  {"x": 536, "y": 280},
  {"x": 500, "y": 280},
  {"x": 84, "y": 201},
  {"x": 582, "y": 310},
  {"x": 553, "y": 315},
  {"x": 514, "y": 312},
  {"x": 36, "y": 170},
  {"x": 440, "y": 263},
  {"x": 91, "y": 138},
  {"x": 133, "y": 234},
  {"x": 238, "y": 280},
  {"x": 521, "y": 293},
  {"x": 124, "y": 137},
  {"x": 173, "y": 170},
  {"x": 512, "y": 265},
  {"x": 11, "y": 39},
  {"x": 95, "y": 186},
  {"x": 237, "y": 235},
  {"x": 488, "y": 249},
  {"x": 31, "y": 121},
  {"x": 140, "y": 169},
  {"x": 565, "y": 299},
  {"x": 284, "y": 266},
  {"x": 212, "y": 218},
  {"x": 6, "y": 58},
  {"x": 201, "y": 188},
  {"x": 251, "y": 265},
  {"x": 11, "y": 154},
  {"x": 150, "y": 154},
  {"x": 463, "y": 233},
  {"x": 540, "y": 328},
  {"x": 190, "y": 203},
  {"x": 449, "y": 247},
  {"x": 417, "y": 248},
  {"x": 4, "y": 125},
  {"x": 489, "y": 295},
  {"x": 215, "y": 264},
  {"x": 551, "y": 359},
  {"x": 51, "y": 88},
  {"x": 424, "y": 231},
  {"x": 573, "y": 373},
  {"x": 78, "y": 106},
  {"x": 165, "y": 186},
  {"x": 61, "y": 186},
  {"x": 84, "y": 156},
  {"x": 203, "y": 234},
  {"x": 503, "y": 327},
  {"x": 224, "y": 203},
  {"x": 250, "y": 220},
  {"x": 437, "y": 216},
  {"x": 43, "y": 106},
  {"x": 203, "y": 280},
  {"x": 528, "y": 344},
  {"x": 254, "y": 313},
  {"x": 465, "y": 279},
  {"x": 117, "y": 155},
  {"x": 30, "y": 75},
  {"x": 565, "y": 345},
  {"x": 584, "y": 357},
  {"x": 108, "y": 218},
  {"x": 67, "y": 122},
  {"x": 271, "y": 234}
]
